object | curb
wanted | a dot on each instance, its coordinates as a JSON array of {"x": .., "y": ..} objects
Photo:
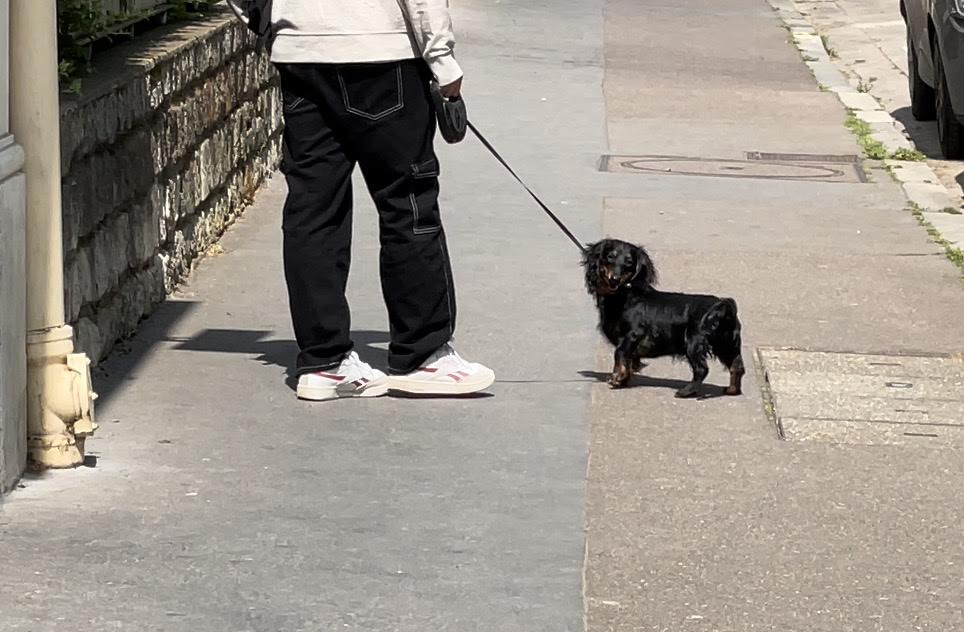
[{"x": 933, "y": 204}]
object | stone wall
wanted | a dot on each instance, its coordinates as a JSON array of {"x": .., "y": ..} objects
[{"x": 161, "y": 152}]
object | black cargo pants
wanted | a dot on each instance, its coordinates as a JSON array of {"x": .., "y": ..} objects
[{"x": 382, "y": 117}]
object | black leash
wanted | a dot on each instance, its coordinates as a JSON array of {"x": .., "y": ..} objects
[{"x": 535, "y": 197}]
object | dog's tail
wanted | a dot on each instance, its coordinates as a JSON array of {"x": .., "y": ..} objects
[{"x": 721, "y": 318}]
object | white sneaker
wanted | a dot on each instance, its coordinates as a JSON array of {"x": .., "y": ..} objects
[
  {"x": 444, "y": 373},
  {"x": 352, "y": 378}
]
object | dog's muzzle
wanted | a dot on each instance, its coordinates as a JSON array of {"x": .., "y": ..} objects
[{"x": 451, "y": 114}]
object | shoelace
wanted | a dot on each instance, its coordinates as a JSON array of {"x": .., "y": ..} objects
[
  {"x": 453, "y": 357},
  {"x": 353, "y": 361}
]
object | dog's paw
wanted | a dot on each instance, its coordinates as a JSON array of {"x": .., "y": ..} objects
[
  {"x": 688, "y": 392},
  {"x": 733, "y": 391},
  {"x": 617, "y": 380}
]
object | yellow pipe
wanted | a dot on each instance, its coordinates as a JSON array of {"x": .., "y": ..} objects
[
  {"x": 35, "y": 119},
  {"x": 59, "y": 397}
]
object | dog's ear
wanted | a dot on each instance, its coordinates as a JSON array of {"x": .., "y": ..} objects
[
  {"x": 645, "y": 270},
  {"x": 591, "y": 257}
]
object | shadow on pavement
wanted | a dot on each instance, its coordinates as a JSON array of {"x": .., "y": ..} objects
[
  {"x": 922, "y": 133},
  {"x": 127, "y": 356},
  {"x": 644, "y": 381},
  {"x": 273, "y": 352},
  {"x": 924, "y": 136}
]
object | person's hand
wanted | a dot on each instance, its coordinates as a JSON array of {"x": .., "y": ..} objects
[{"x": 452, "y": 90}]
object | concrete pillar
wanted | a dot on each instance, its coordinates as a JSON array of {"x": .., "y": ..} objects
[
  {"x": 13, "y": 358},
  {"x": 59, "y": 396}
]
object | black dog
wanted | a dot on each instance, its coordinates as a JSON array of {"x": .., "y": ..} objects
[{"x": 643, "y": 322}]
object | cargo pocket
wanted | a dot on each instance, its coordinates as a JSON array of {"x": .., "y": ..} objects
[
  {"x": 424, "y": 197},
  {"x": 371, "y": 91}
]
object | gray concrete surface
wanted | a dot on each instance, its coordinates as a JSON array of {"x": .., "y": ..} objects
[
  {"x": 220, "y": 503},
  {"x": 699, "y": 516},
  {"x": 869, "y": 75},
  {"x": 869, "y": 39}
]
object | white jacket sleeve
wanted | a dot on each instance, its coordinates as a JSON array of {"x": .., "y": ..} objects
[{"x": 432, "y": 25}]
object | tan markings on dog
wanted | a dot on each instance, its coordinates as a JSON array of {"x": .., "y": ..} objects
[
  {"x": 620, "y": 376},
  {"x": 736, "y": 378}
]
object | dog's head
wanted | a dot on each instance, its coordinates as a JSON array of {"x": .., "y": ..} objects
[{"x": 612, "y": 264}]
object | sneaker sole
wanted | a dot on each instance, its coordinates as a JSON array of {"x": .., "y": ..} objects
[
  {"x": 319, "y": 394},
  {"x": 474, "y": 384}
]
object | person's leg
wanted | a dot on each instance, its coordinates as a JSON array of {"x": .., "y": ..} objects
[
  {"x": 316, "y": 223},
  {"x": 390, "y": 119}
]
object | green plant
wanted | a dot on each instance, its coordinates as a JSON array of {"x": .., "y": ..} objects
[
  {"x": 81, "y": 23},
  {"x": 953, "y": 253},
  {"x": 184, "y": 9},
  {"x": 872, "y": 147},
  {"x": 911, "y": 155},
  {"x": 69, "y": 76}
]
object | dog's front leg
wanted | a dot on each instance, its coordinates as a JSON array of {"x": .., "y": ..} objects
[{"x": 624, "y": 362}]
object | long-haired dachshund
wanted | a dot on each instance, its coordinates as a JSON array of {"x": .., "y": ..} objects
[{"x": 643, "y": 322}]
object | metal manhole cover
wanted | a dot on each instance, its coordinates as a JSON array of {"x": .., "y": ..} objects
[
  {"x": 865, "y": 399},
  {"x": 791, "y": 167}
]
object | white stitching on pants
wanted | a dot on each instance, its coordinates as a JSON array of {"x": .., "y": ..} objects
[
  {"x": 380, "y": 115},
  {"x": 289, "y": 108},
  {"x": 427, "y": 230},
  {"x": 448, "y": 283}
]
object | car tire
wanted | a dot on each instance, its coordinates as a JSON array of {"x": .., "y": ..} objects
[
  {"x": 921, "y": 95},
  {"x": 950, "y": 132}
]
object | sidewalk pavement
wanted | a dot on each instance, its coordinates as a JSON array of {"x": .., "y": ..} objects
[
  {"x": 699, "y": 516},
  {"x": 868, "y": 39},
  {"x": 219, "y": 503}
]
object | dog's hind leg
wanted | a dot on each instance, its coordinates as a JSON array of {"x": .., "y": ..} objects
[
  {"x": 696, "y": 353},
  {"x": 729, "y": 353},
  {"x": 737, "y": 371}
]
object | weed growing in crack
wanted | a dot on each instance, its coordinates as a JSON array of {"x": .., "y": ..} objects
[
  {"x": 872, "y": 147},
  {"x": 828, "y": 47},
  {"x": 954, "y": 254},
  {"x": 910, "y": 155},
  {"x": 866, "y": 86}
]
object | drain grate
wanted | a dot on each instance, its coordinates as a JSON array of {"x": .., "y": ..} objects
[
  {"x": 844, "y": 159},
  {"x": 866, "y": 399},
  {"x": 757, "y": 165}
]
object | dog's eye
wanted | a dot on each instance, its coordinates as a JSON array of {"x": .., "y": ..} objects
[{"x": 611, "y": 257}]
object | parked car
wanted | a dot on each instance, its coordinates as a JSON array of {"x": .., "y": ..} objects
[{"x": 935, "y": 67}]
